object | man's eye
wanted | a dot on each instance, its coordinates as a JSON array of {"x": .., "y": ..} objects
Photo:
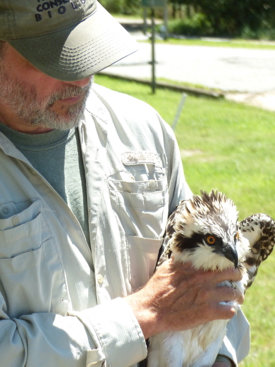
[{"x": 211, "y": 240}]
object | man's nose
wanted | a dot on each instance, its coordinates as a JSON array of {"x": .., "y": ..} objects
[{"x": 81, "y": 83}]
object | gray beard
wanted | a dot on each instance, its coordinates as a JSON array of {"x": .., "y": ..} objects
[{"x": 22, "y": 99}]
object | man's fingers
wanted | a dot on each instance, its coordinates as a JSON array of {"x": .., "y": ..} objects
[
  {"x": 228, "y": 293},
  {"x": 219, "y": 276},
  {"x": 225, "y": 311},
  {"x": 230, "y": 274}
]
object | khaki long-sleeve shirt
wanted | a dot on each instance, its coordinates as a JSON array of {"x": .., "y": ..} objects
[{"x": 61, "y": 299}]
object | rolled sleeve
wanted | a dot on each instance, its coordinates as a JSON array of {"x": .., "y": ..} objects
[{"x": 119, "y": 338}]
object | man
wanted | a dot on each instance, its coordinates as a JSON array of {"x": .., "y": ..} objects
[{"x": 88, "y": 179}]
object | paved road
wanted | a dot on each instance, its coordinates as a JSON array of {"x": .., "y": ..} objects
[{"x": 229, "y": 69}]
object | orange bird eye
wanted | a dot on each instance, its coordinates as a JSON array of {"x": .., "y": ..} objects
[
  {"x": 211, "y": 240},
  {"x": 237, "y": 236}
]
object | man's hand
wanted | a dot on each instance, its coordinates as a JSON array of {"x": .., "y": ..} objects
[{"x": 179, "y": 297}]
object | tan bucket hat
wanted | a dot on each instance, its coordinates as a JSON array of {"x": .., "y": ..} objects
[{"x": 66, "y": 39}]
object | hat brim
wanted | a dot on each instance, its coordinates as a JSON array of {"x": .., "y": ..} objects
[{"x": 79, "y": 51}]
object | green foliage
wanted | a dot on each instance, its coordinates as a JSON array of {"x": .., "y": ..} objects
[
  {"x": 227, "y": 146},
  {"x": 235, "y": 17},
  {"x": 231, "y": 18},
  {"x": 121, "y": 6},
  {"x": 195, "y": 26},
  {"x": 264, "y": 32}
]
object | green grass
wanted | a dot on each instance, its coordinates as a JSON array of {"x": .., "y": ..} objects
[
  {"x": 215, "y": 42},
  {"x": 230, "y": 147},
  {"x": 188, "y": 85}
]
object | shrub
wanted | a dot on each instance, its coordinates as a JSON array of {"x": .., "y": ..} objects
[{"x": 198, "y": 25}]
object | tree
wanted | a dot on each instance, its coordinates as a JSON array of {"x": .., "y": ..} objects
[{"x": 231, "y": 17}]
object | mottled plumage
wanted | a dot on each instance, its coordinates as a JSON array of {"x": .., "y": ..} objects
[
  {"x": 205, "y": 231},
  {"x": 259, "y": 230}
]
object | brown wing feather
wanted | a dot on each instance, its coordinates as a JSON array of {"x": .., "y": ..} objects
[{"x": 259, "y": 229}]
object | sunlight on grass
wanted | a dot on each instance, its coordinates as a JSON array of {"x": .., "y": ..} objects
[
  {"x": 230, "y": 147},
  {"x": 215, "y": 42}
]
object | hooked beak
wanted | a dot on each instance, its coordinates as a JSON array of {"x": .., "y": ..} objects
[{"x": 231, "y": 254}]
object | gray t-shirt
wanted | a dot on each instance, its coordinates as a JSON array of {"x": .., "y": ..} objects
[{"x": 57, "y": 156}]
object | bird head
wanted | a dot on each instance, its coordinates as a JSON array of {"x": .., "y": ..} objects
[{"x": 204, "y": 230}]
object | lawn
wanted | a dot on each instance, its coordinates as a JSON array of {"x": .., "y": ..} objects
[
  {"x": 230, "y": 147},
  {"x": 218, "y": 42}
]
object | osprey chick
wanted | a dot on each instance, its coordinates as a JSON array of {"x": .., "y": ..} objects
[{"x": 205, "y": 231}]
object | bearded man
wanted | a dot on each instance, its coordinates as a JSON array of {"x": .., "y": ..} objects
[{"x": 88, "y": 179}]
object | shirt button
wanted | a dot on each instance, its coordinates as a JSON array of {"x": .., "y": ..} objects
[
  {"x": 15, "y": 221},
  {"x": 5, "y": 210},
  {"x": 99, "y": 278}
]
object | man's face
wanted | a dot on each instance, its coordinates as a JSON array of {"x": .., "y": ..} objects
[{"x": 33, "y": 102}]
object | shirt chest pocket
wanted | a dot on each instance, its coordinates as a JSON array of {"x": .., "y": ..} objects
[
  {"x": 140, "y": 201},
  {"x": 141, "y": 210},
  {"x": 31, "y": 274}
]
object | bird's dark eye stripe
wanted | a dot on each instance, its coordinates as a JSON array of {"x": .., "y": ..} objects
[{"x": 192, "y": 242}]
